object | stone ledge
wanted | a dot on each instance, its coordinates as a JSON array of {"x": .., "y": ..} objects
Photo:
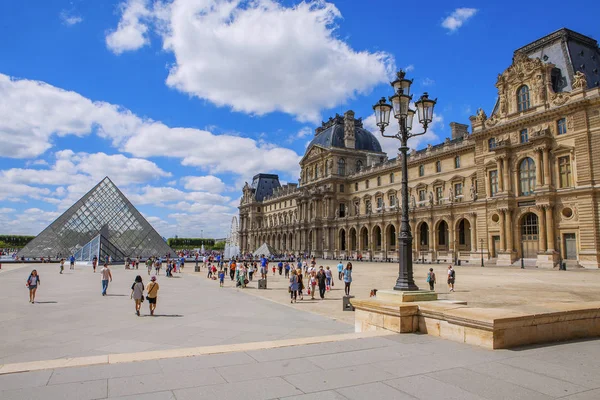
[{"x": 493, "y": 328}]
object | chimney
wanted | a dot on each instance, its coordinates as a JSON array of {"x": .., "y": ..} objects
[
  {"x": 349, "y": 130},
  {"x": 458, "y": 130}
]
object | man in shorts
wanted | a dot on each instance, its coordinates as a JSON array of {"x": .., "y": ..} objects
[{"x": 264, "y": 267}]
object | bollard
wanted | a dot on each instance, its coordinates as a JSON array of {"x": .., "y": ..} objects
[
  {"x": 262, "y": 283},
  {"x": 347, "y": 305}
]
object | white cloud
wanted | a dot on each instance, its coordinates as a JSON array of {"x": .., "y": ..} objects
[
  {"x": 207, "y": 183},
  {"x": 132, "y": 31},
  {"x": 458, "y": 18},
  {"x": 69, "y": 19},
  {"x": 32, "y": 112},
  {"x": 306, "y": 131},
  {"x": 256, "y": 56},
  {"x": 428, "y": 82},
  {"x": 409, "y": 68}
]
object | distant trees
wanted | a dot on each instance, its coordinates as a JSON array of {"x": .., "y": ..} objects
[
  {"x": 219, "y": 246},
  {"x": 14, "y": 241},
  {"x": 189, "y": 243}
]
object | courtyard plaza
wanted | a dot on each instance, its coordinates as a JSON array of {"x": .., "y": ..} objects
[{"x": 208, "y": 342}]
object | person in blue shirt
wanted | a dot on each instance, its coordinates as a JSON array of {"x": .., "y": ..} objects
[
  {"x": 340, "y": 268},
  {"x": 182, "y": 263},
  {"x": 72, "y": 259},
  {"x": 280, "y": 267},
  {"x": 347, "y": 278},
  {"x": 264, "y": 267}
]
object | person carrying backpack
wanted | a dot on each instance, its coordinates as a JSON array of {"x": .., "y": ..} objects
[
  {"x": 431, "y": 279},
  {"x": 451, "y": 278}
]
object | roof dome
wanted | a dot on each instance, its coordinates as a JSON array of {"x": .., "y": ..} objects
[{"x": 331, "y": 134}]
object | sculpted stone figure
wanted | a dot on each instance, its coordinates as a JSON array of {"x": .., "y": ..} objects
[
  {"x": 472, "y": 192},
  {"x": 450, "y": 195},
  {"x": 481, "y": 115},
  {"x": 356, "y": 209},
  {"x": 579, "y": 81},
  {"x": 430, "y": 198},
  {"x": 413, "y": 202}
]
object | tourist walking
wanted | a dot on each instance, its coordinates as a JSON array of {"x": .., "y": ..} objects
[
  {"x": 32, "y": 283},
  {"x": 72, "y": 260},
  {"x": 340, "y": 268},
  {"x": 347, "y": 278},
  {"x": 300, "y": 282},
  {"x": 149, "y": 263},
  {"x": 94, "y": 263},
  {"x": 232, "y": 270},
  {"x": 137, "y": 293},
  {"x": 431, "y": 279},
  {"x": 251, "y": 271},
  {"x": 287, "y": 269},
  {"x": 152, "y": 290},
  {"x": 322, "y": 280},
  {"x": 313, "y": 283},
  {"x": 158, "y": 265},
  {"x": 221, "y": 278},
  {"x": 293, "y": 287},
  {"x": 329, "y": 278},
  {"x": 106, "y": 275},
  {"x": 451, "y": 278},
  {"x": 62, "y": 265}
]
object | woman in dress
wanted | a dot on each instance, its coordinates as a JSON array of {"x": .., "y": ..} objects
[
  {"x": 32, "y": 283},
  {"x": 347, "y": 278},
  {"x": 300, "y": 282},
  {"x": 137, "y": 293}
]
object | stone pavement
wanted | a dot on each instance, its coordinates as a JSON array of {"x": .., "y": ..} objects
[
  {"x": 391, "y": 367},
  {"x": 71, "y": 318},
  {"x": 480, "y": 287}
]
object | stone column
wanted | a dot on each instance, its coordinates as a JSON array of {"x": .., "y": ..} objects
[
  {"x": 509, "y": 231},
  {"x": 547, "y": 173},
  {"x": 451, "y": 236},
  {"x": 550, "y": 228},
  {"x": 502, "y": 231},
  {"x": 431, "y": 235},
  {"x": 542, "y": 230},
  {"x": 474, "y": 232},
  {"x": 505, "y": 171},
  {"x": 538, "y": 169},
  {"x": 500, "y": 175}
]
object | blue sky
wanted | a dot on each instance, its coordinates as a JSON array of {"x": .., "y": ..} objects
[{"x": 181, "y": 101}]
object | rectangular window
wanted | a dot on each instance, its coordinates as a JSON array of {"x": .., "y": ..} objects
[
  {"x": 457, "y": 162},
  {"x": 524, "y": 136},
  {"x": 356, "y": 187},
  {"x": 421, "y": 170},
  {"x": 491, "y": 143},
  {"x": 561, "y": 126},
  {"x": 438, "y": 166},
  {"x": 458, "y": 189},
  {"x": 392, "y": 200},
  {"x": 564, "y": 170},
  {"x": 378, "y": 181},
  {"x": 438, "y": 193},
  {"x": 379, "y": 202},
  {"x": 421, "y": 195},
  {"x": 392, "y": 177},
  {"x": 493, "y": 182},
  {"x": 342, "y": 210},
  {"x": 341, "y": 188}
]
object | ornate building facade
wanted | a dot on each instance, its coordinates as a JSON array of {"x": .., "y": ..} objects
[{"x": 524, "y": 184}]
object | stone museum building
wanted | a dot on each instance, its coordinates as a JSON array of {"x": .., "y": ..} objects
[{"x": 524, "y": 183}]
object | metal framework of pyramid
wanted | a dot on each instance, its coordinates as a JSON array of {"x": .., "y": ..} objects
[
  {"x": 103, "y": 222},
  {"x": 265, "y": 250}
]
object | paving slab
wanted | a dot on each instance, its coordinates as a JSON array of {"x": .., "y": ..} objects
[
  {"x": 69, "y": 391},
  {"x": 315, "y": 381},
  {"x": 426, "y": 388},
  {"x": 325, "y": 395},
  {"x": 375, "y": 390},
  {"x": 263, "y": 389}
]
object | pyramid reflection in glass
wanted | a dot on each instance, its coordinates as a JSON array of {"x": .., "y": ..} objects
[{"x": 101, "y": 223}]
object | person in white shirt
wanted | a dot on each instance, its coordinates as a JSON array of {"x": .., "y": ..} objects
[{"x": 105, "y": 275}]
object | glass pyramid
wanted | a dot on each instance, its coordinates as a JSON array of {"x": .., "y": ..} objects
[
  {"x": 100, "y": 248},
  {"x": 104, "y": 218}
]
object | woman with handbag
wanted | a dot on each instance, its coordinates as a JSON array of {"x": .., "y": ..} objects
[
  {"x": 137, "y": 293},
  {"x": 293, "y": 287},
  {"x": 32, "y": 283},
  {"x": 152, "y": 290},
  {"x": 300, "y": 282}
]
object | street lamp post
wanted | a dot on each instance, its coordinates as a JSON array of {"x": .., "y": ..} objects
[
  {"x": 481, "y": 250},
  {"x": 402, "y": 112}
]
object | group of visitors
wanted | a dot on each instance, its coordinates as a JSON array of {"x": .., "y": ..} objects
[
  {"x": 431, "y": 279},
  {"x": 321, "y": 277}
]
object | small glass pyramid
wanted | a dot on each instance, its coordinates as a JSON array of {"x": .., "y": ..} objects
[{"x": 102, "y": 222}]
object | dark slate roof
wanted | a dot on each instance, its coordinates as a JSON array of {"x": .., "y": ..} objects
[
  {"x": 333, "y": 136},
  {"x": 264, "y": 184}
]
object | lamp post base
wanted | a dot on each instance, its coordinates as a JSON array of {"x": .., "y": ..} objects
[{"x": 405, "y": 281}]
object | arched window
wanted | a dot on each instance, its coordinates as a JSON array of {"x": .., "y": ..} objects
[
  {"x": 424, "y": 234},
  {"x": 527, "y": 176},
  {"x": 359, "y": 165},
  {"x": 341, "y": 167},
  {"x": 523, "y": 98},
  {"x": 442, "y": 233}
]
